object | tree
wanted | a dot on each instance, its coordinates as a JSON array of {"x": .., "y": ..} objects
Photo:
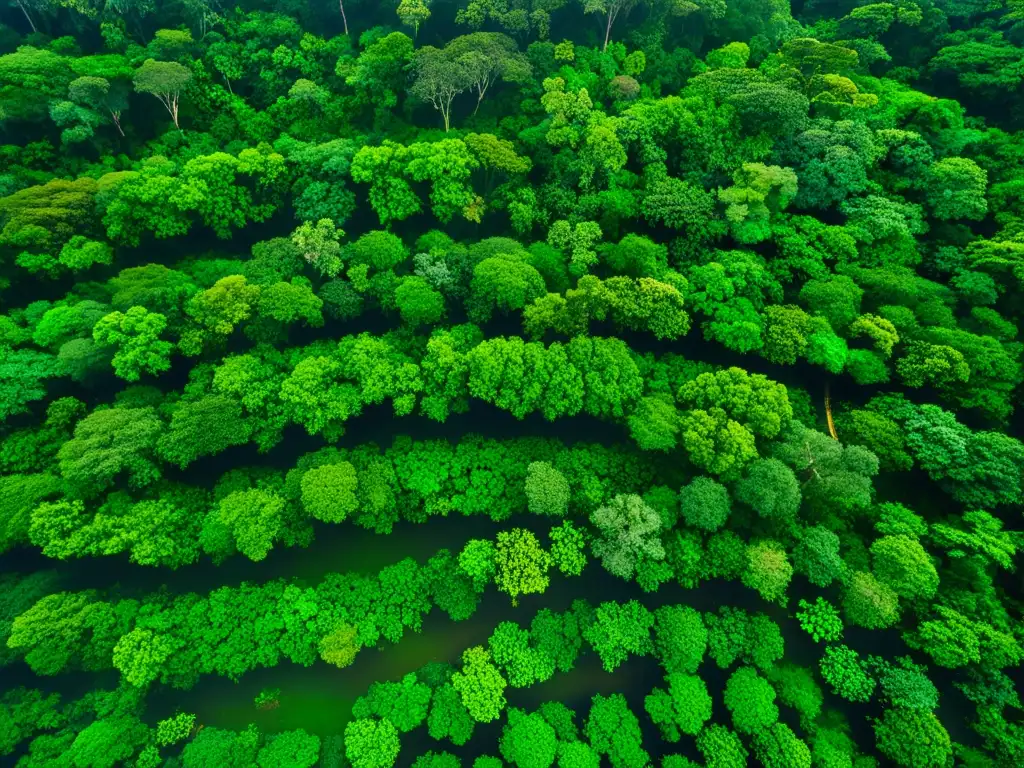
[
  {"x": 491, "y": 56},
  {"x": 217, "y": 311},
  {"x": 105, "y": 742},
  {"x": 614, "y": 731},
  {"x": 547, "y": 490},
  {"x": 437, "y": 760},
  {"x": 175, "y": 729},
  {"x": 704, "y": 504},
  {"x": 380, "y": 72},
  {"x": 404, "y": 704},
  {"x": 771, "y": 489},
  {"x": 683, "y": 708},
  {"x": 611, "y": 9},
  {"x": 751, "y": 700},
  {"x": 797, "y": 688},
  {"x": 559, "y": 636},
  {"x": 836, "y": 298},
  {"x": 139, "y": 656},
  {"x": 768, "y": 570},
  {"x": 480, "y": 685},
  {"x": 956, "y": 189},
  {"x": 247, "y": 521},
  {"x": 629, "y": 531},
  {"x": 203, "y": 427},
  {"x": 521, "y": 564},
  {"x": 817, "y": 556},
  {"x": 320, "y": 246},
  {"x": 912, "y": 738},
  {"x": 214, "y": 746},
  {"x": 329, "y": 492},
  {"x": 820, "y": 620},
  {"x": 715, "y": 442},
  {"x": 165, "y": 80},
  {"x": 869, "y": 603},
  {"x": 680, "y": 638},
  {"x": 340, "y": 646},
  {"x": 779, "y": 747},
  {"x": 55, "y": 631},
  {"x": 418, "y": 303},
  {"x": 107, "y": 443},
  {"x": 371, "y": 743},
  {"x": 22, "y": 376},
  {"x": 578, "y": 241},
  {"x": 440, "y": 76},
  {"x": 413, "y": 13},
  {"x": 527, "y": 741},
  {"x": 449, "y": 718},
  {"x": 721, "y": 747},
  {"x": 834, "y": 477},
  {"x": 506, "y": 283},
  {"x": 522, "y": 665},
  {"x": 290, "y": 749},
  {"x": 567, "y": 548},
  {"x": 619, "y": 629},
  {"x": 478, "y": 561},
  {"x": 904, "y": 565},
  {"x": 79, "y": 253},
  {"x": 842, "y": 668},
  {"x": 136, "y": 335},
  {"x": 759, "y": 192},
  {"x": 905, "y": 684}
]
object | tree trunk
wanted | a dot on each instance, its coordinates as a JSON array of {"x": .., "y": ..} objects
[
  {"x": 228, "y": 81},
  {"x": 607, "y": 31},
  {"x": 116, "y": 117},
  {"x": 344, "y": 19},
  {"x": 28, "y": 18}
]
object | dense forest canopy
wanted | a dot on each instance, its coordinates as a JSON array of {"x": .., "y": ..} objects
[{"x": 699, "y": 318}]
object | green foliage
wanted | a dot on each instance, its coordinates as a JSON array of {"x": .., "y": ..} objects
[
  {"x": 751, "y": 700},
  {"x": 628, "y": 532},
  {"x": 771, "y": 489},
  {"x": 912, "y": 738},
  {"x": 721, "y": 747},
  {"x": 547, "y": 490},
  {"x": 683, "y": 708},
  {"x": 903, "y": 564},
  {"x": 478, "y": 561},
  {"x": 680, "y": 639},
  {"x": 527, "y": 741},
  {"x": 403, "y": 704},
  {"x": 817, "y": 556},
  {"x": 820, "y": 620},
  {"x": 520, "y": 564},
  {"x": 329, "y": 492},
  {"x": 618, "y": 630},
  {"x": 869, "y": 603},
  {"x": 768, "y": 570},
  {"x": 614, "y": 731},
  {"x": 449, "y": 718},
  {"x": 538, "y": 225},
  {"x": 779, "y": 746},
  {"x": 291, "y": 749},
  {"x": 704, "y": 504},
  {"x": 842, "y": 668},
  {"x": 567, "y": 549},
  {"x": 480, "y": 685},
  {"x": 371, "y": 743},
  {"x": 522, "y": 664}
]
